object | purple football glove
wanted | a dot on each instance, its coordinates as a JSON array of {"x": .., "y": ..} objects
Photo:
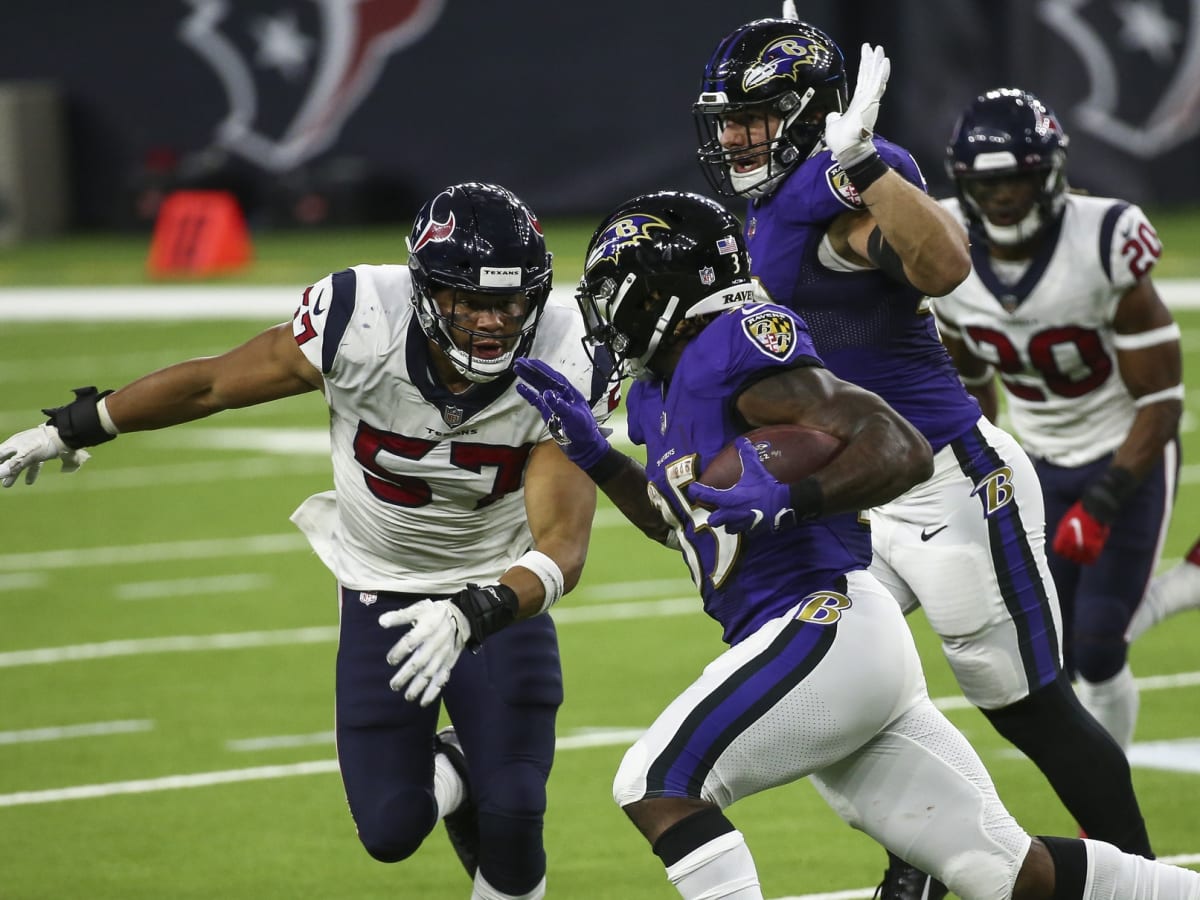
[
  {"x": 756, "y": 501},
  {"x": 565, "y": 411}
]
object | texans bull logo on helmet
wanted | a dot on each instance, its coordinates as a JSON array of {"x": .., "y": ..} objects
[
  {"x": 433, "y": 230},
  {"x": 294, "y": 71}
]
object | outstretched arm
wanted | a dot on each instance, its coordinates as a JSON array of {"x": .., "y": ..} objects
[{"x": 267, "y": 367}]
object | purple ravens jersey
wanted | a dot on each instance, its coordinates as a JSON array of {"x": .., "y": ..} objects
[
  {"x": 684, "y": 423},
  {"x": 869, "y": 329}
]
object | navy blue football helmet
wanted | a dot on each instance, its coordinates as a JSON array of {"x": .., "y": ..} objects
[
  {"x": 1002, "y": 134},
  {"x": 656, "y": 260},
  {"x": 784, "y": 68},
  {"x": 480, "y": 239}
]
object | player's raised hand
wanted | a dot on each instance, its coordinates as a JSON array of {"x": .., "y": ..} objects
[
  {"x": 26, "y": 451},
  {"x": 849, "y": 135},
  {"x": 564, "y": 409},
  {"x": 756, "y": 501}
]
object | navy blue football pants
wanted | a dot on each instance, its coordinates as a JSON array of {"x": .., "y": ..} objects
[
  {"x": 1098, "y": 600},
  {"x": 502, "y": 701}
]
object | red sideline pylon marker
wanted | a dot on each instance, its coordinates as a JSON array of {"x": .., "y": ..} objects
[{"x": 198, "y": 233}]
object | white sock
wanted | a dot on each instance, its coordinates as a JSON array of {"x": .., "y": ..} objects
[
  {"x": 484, "y": 891},
  {"x": 1114, "y": 704},
  {"x": 1172, "y": 592},
  {"x": 1113, "y": 875},
  {"x": 448, "y": 788},
  {"x": 722, "y": 869}
]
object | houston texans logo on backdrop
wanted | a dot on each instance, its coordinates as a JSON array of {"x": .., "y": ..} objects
[
  {"x": 1143, "y": 68},
  {"x": 295, "y": 70}
]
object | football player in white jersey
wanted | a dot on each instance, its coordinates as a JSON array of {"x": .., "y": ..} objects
[
  {"x": 453, "y": 514},
  {"x": 1060, "y": 306}
]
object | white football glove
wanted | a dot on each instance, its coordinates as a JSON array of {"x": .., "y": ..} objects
[
  {"x": 429, "y": 650},
  {"x": 25, "y": 452},
  {"x": 848, "y": 135}
]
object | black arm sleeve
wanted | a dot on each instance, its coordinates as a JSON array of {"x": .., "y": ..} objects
[{"x": 885, "y": 257}]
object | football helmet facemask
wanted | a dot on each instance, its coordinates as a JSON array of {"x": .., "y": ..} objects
[
  {"x": 1002, "y": 134},
  {"x": 656, "y": 260},
  {"x": 478, "y": 239},
  {"x": 782, "y": 68}
]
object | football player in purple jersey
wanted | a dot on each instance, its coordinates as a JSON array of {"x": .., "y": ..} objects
[
  {"x": 453, "y": 515},
  {"x": 840, "y": 229},
  {"x": 1060, "y": 305},
  {"x": 821, "y": 678}
]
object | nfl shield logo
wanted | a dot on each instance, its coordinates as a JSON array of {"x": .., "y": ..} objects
[
  {"x": 707, "y": 275},
  {"x": 452, "y": 415}
]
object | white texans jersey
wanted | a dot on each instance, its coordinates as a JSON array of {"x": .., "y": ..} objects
[
  {"x": 428, "y": 484},
  {"x": 1046, "y": 326}
]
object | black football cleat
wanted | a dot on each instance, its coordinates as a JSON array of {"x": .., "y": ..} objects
[
  {"x": 462, "y": 825},
  {"x": 904, "y": 882}
]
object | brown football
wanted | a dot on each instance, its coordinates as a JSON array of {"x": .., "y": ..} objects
[{"x": 789, "y": 452}]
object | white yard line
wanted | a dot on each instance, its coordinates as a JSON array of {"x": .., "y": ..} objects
[
  {"x": 209, "y": 548},
  {"x": 240, "y": 640},
  {"x": 99, "y": 477},
  {"x": 167, "y": 783},
  {"x": 189, "y": 587},
  {"x": 68, "y": 732},
  {"x": 22, "y": 581},
  {"x": 169, "y": 551},
  {"x": 177, "y": 644},
  {"x": 267, "y": 303}
]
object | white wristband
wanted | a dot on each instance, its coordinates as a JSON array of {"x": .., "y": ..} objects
[
  {"x": 548, "y": 573},
  {"x": 1151, "y": 338},
  {"x": 106, "y": 421},
  {"x": 1171, "y": 393}
]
